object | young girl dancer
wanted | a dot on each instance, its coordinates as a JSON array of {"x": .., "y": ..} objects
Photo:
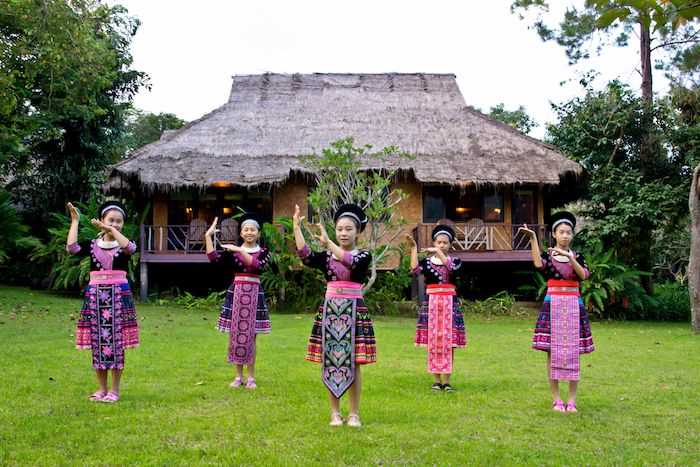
[
  {"x": 107, "y": 322},
  {"x": 244, "y": 313},
  {"x": 342, "y": 337},
  {"x": 563, "y": 329},
  {"x": 440, "y": 325}
]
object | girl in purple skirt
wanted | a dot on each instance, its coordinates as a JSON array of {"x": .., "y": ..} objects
[
  {"x": 563, "y": 329},
  {"x": 107, "y": 323},
  {"x": 244, "y": 313}
]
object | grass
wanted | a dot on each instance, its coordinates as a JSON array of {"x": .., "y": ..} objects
[{"x": 638, "y": 397}]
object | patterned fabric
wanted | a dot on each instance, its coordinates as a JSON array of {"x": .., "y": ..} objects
[
  {"x": 262, "y": 315},
  {"x": 552, "y": 269},
  {"x": 111, "y": 259},
  {"x": 440, "y": 306},
  {"x": 439, "y": 273},
  {"x": 365, "y": 344},
  {"x": 338, "y": 344},
  {"x": 107, "y": 324},
  {"x": 541, "y": 340},
  {"x": 565, "y": 324},
  {"x": 459, "y": 332},
  {"x": 261, "y": 260},
  {"x": 241, "y": 350},
  {"x": 352, "y": 267}
]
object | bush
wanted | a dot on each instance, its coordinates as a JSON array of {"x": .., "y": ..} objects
[
  {"x": 671, "y": 303},
  {"x": 501, "y": 304}
]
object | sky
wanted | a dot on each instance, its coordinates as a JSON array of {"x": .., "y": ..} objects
[{"x": 191, "y": 49}]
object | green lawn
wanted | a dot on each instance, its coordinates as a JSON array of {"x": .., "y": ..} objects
[{"x": 638, "y": 398}]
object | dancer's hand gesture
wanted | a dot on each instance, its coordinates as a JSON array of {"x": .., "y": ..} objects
[
  {"x": 527, "y": 231},
  {"x": 74, "y": 213},
  {"x": 323, "y": 238},
  {"x": 411, "y": 241},
  {"x": 212, "y": 230},
  {"x": 296, "y": 219},
  {"x": 100, "y": 225}
]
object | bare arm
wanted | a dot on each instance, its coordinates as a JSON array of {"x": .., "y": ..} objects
[
  {"x": 74, "y": 225},
  {"x": 414, "y": 251},
  {"x": 209, "y": 236},
  {"x": 298, "y": 234},
  {"x": 117, "y": 235},
  {"x": 534, "y": 246}
]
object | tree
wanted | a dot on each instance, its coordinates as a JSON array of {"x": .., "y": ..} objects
[
  {"x": 664, "y": 26},
  {"x": 694, "y": 261},
  {"x": 145, "y": 127},
  {"x": 518, "y": 119},
  {"x": 603, "y": 130},
  {"x": 67, "y": 82},
  {"x": 340, "y": 179}
]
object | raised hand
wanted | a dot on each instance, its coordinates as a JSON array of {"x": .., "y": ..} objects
[
  {"x": 74, "y": 213},
  {"x": 411, "y": 241},
  {"x": 98, "y": 223},
  {"x": 527, "y": 231},
  {"x": 212, "y": 230},
  {"x": 323, "y": 238},
  {"x": 296, "y": 219},
  {"x": 558, "y": 251}
]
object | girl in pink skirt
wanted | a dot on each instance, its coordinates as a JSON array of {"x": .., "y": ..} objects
[
  {"x": 244, "y": 313},
  {"x": 440, "y": 325},
  {"x": 563, "y": 329}
]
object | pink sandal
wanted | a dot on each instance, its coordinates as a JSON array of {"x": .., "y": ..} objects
[
  {"x": 110, "y": 398},
  {"x": 558, "y": 406},
  {"x": 97, "y": 396},
  {"x": 571, "y": 406},
  {"x": 251, "y": 384},
  {"x": 236, "y": 383}
]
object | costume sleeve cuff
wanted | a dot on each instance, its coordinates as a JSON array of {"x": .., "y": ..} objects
[
  {"x": 131, "y": 248},
  {"x": 304, "y": 252},
  {"x": 213, "y": 256},
  {"x": 73, "y": 248}
]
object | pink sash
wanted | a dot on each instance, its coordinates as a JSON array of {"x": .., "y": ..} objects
[
  {"x": 110, "y": 277},
  {"x": 440, "y": 302},
  {"x": 565, "y": 324}
]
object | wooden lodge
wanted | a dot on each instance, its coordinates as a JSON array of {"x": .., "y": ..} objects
[{"x": 483, "y": 175}]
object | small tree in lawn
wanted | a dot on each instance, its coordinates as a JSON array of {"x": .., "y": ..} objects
[{"x": 340, "y": 179}]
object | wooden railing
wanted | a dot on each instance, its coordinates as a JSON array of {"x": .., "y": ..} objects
[
  {"x": 182, "y": 239},
  {"x": 478, "y": 236}
]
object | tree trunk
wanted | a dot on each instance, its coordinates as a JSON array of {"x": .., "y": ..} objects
[
  {"x": 646, "y": 148},
  {"x": 694, "y": 263}
]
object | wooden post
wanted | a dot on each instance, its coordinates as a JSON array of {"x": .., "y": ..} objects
[
  {"x": 694, "y": 261},
  {"x": 143, "y": 274}
]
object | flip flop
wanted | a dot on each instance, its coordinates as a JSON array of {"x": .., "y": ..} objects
[
  {"x": 558, "y": 406},
  {"x": 251, "y": 384},
  {"x": 110, "y": 398},
  {"x": 571, "y": 406},
  {"x": 97, "y": 396}
]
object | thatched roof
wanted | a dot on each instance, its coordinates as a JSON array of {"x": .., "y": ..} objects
[{"x": 270, "y": 119}]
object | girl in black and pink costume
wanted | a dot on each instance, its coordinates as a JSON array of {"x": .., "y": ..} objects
[
  {"x": 107, "y": 323},
  {"x": 244, "y": 313}
]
